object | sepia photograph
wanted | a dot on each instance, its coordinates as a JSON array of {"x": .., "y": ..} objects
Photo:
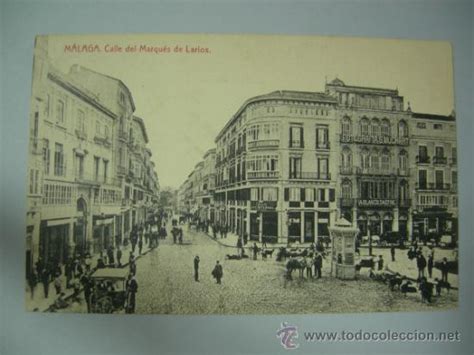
[{"x": 241, "y": 174}]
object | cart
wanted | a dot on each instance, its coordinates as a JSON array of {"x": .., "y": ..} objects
[{"x": 108, "y": 290}]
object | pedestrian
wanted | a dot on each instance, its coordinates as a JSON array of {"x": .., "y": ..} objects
[
  {"x": 119, "y": 256},
  {"x": 57, "y": 284},
  {"x": 76, "y": 285},
  {"x": 357, "y": 246},
  {"x": 45, "y": 281},
  {"x": 221, "y": 229},
  {"x": 68, "y": 273},
  {"x": 174, "y": 232},
  {"x": 133, "y": 267},
  {"x": 309, "y": 267},
  {"x": 218, "y": 273},
  {"x": 214, "y": 231},
  {"x": 87, "y": 287},
  {"x": 132, "y": 289},
  {"x": 380, "y": 263},
  {"x": 421, "y": 265},
  {"x": 444, "y": 267},
  {"x": 32, "y": 281},
  {"x": 430, "y": 265},
  {"x": 255, "y": 251},
  {"x": 426, "y": 290},
  {"x": 318, "y": 264},
  {"x": 110, "y": 255},
  {"x": 180, "y": 235},
  {"x": 100, "y": 264},
  {"x": 226, "y": 229},
  {"x": 196, "y": 268},
  {"x": 140, "y": 246},
  {"x": 392, "y": 251}
]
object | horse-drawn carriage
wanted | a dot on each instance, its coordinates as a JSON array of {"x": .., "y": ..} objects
[{"x": 108, "y": 293}]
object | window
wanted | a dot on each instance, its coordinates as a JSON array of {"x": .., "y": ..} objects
[
  {"x": 385, "y": 128},
  {"x": 439, "y": 179},
  {"x": 296, "y": 137},
  {"x": 322, "y": 137},
  {"x": 402, "y": 129},
  {"x": 106, "y": 132},
  {"x": 364, "y": 127},
  {"x": 79, "y": 166},
  {"x": 385, "y": 161},
  {"x": 438, "y": 126},
  {"x": 309, "y": 195},
  {"x": 46, "y": 156},
  {"x": 270, "y": 194},
  {"x": 374, "y": 160},
  {"x": 295, "y": 167},
  {"x": 106, "y": 166},
  {"x": 80, "y": 123},
  {"x": 96, "y": 168},
  {"x": 403, "y": 161},
  {"x": 322, "y": 195},
  {"x": 365, "y": 159},
  {"x": 421, "y": 125},
  {"x": 60, "y": 111},
  {"x": 323, "y": 168},
  {"x": 295, "y": 194},
  {"x": 454, "y": 179},
  {"x": 346, "y": 158},
  {"x": 59, "y": 165},
  {"x": 347, "y": 189},
  {"x": 346, "y": 127},
  {"x": 422, "y": 179},
  {"x": 439, "y": 152},
  {"x": 34, "y": 181},
  {"x": 375, "y": 127},
  {"x": 254, "y": 194}
]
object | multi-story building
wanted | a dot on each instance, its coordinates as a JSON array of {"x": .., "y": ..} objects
[
  {"x": 205, "y": 186},
  {"x": 373, "y": 136},
  {"x": 433, "y": 158},
  {"x": 76, "y": 182},
  {"x": 274, "y": 176}
]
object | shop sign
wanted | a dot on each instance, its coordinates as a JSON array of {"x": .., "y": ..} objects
[{"x": 376, "y": 203}]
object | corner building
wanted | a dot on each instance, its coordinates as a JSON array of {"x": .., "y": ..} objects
[
  {"x": 274, "y": 176},
  {"x": 373, "y": 134}
]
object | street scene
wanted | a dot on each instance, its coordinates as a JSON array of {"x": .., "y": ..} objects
[{"x": 315, "y": 196}]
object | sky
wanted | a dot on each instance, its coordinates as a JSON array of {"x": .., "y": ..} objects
[{"x": 185, "y": 97}]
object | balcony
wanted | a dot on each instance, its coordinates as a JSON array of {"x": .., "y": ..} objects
[
  {"x": 403, "y": 172},
  {"x": 375, "y": 171},
  {"x": 310, "y": 175},
  {"x": 345, "y": 202},
  {"x": 439, "y": 160},
  {"x": 376, "y": 202},
  {"x": 433, "y": 186},
  {"x": 323, "y": 145},
  {"x": 88, "y": 179},
  {"x": 260, "y": 175},
  {"x": 345, "y": 170},
  {"x": 422, "y": 159},
  {"x": 380, "y": 140},
  {"x": 264, "y": 144},
  {"x": 105, "y": 141}
]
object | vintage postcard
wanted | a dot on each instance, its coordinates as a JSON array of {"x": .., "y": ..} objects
[{"x": 241, "y": 174}]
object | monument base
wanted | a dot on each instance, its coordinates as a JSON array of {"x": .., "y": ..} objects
[{"x": 343, "y": 272}]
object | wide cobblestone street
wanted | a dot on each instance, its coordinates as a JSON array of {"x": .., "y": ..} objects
[{"x": 166, "y": 286}]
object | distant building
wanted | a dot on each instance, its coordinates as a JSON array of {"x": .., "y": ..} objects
[{"x": 434, "y": 174}]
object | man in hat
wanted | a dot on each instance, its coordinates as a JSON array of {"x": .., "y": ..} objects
[{"x": 196, "y": 268}]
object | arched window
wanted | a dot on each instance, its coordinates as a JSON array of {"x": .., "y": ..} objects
[
  {"x": 402, "y": 129},
  {"x": 403, "y": 161},
  {"x": 364, "y": 158},
  {"x": 346, "y": 128},
  {"x": 403, "y": 190},
  {"x": 364, "y": 126},
  {"x": 375, "y": 126},
  {"x": 346, "y": 189},
  {"x": 385, "y": 127},
  {"x": 375, "y": 159},
  {"x": 346, "y": 157},
  {"x": 385, "y": 160}
]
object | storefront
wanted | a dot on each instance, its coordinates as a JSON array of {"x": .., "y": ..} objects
[
  {"x": 103, "y": 236},
  {"x": 54, "y": 241}
]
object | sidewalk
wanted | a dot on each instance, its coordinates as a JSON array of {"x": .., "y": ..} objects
[
  {"x": 41, "y": 304},
  {"x": 231, "y": 241}
]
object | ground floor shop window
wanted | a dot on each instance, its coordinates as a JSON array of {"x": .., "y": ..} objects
[
  {"x": 254, "y": 226},
  {"x": 309, "y": 227},
  {"x": 54, "y": 243},
  {"x": 270, "y": 226},
  {"x": 294, "y": 226}
]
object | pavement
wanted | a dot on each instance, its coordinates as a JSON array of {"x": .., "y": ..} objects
[
  {"x": 402, "y": 263},
  {"x": 39, "y": 303},
  {"x": 166, "y": 285}
]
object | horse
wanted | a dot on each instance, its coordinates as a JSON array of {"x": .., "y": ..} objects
[{"x": 295, "y": 264}]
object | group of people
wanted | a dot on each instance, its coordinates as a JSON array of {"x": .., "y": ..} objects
[
  {"x": 415, "y": 252},
  {"x": 220, "y": 230},
  {"x": 217, "y": 271}
]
